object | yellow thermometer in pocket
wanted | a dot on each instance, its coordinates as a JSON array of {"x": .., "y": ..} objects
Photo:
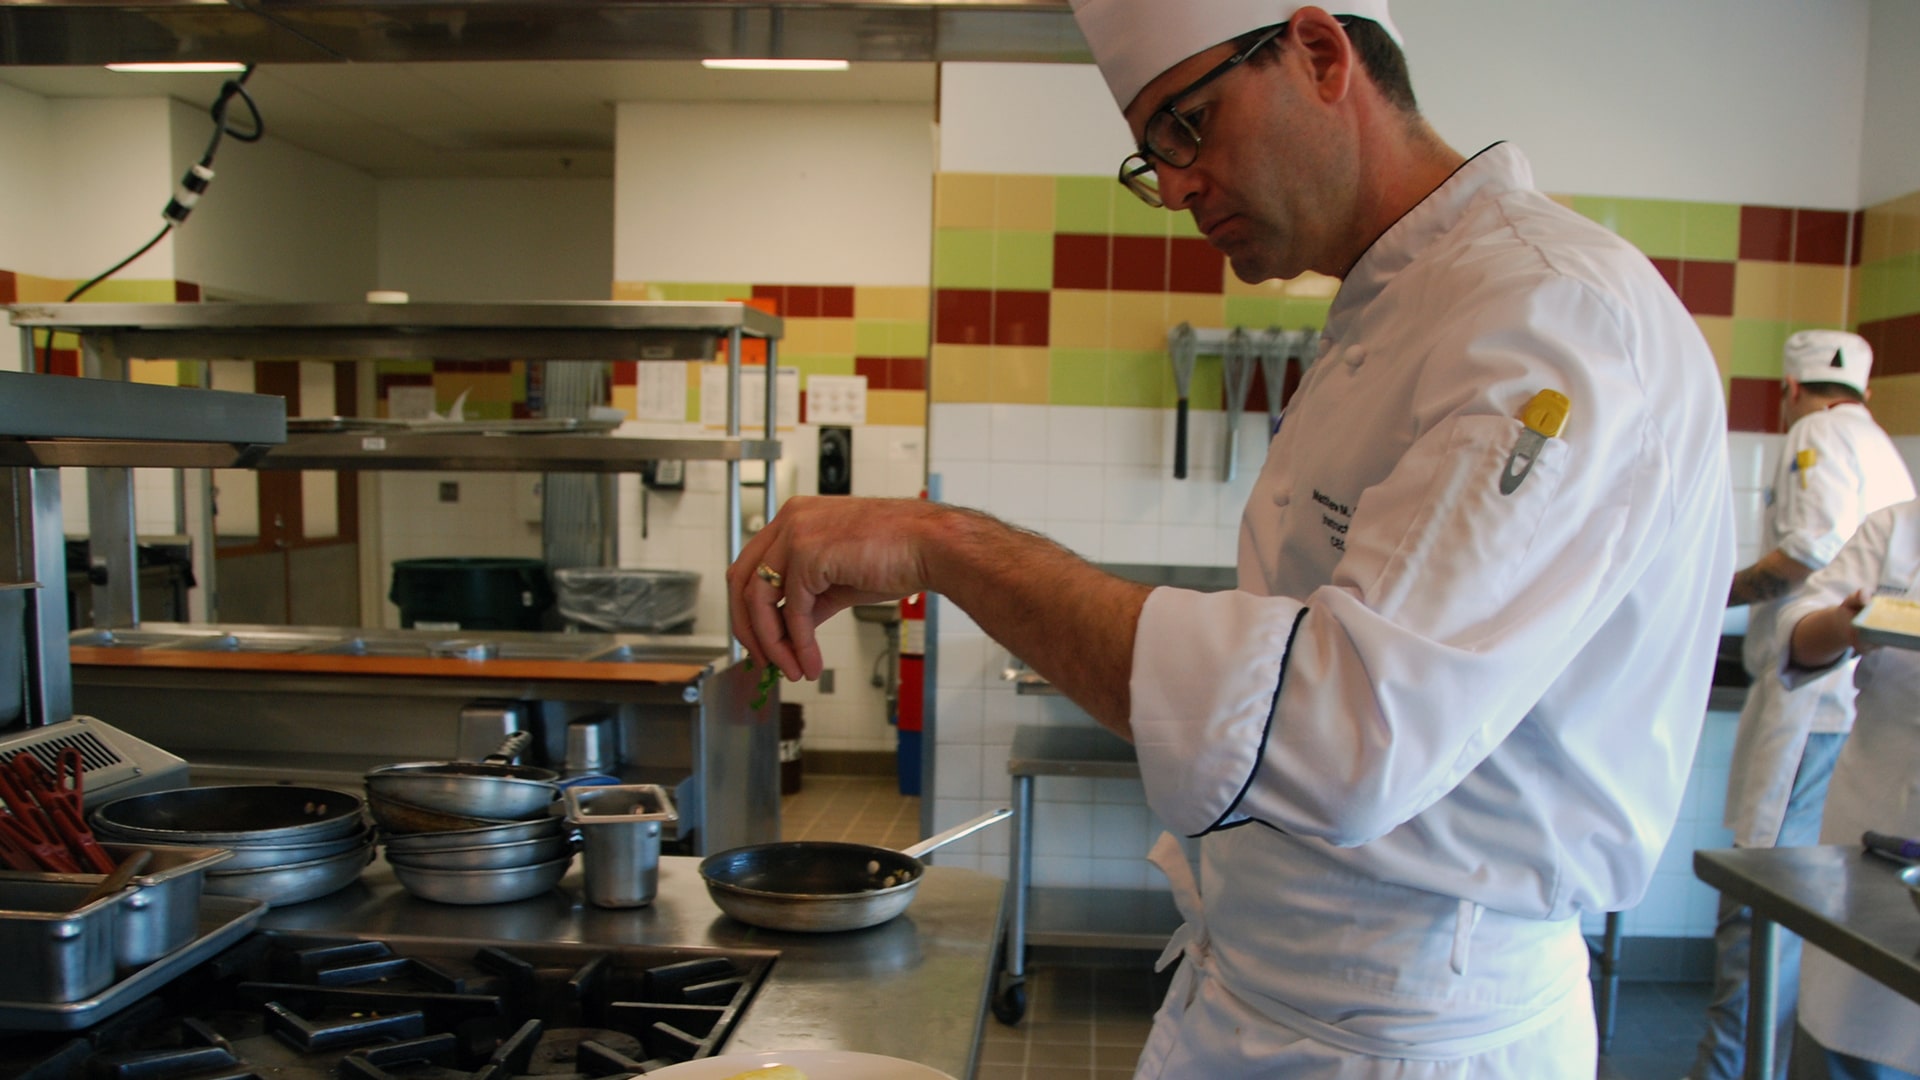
[{"x": 1541, "y": 420}]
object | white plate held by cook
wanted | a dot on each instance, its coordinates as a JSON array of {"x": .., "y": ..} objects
[{"x": 815, "y": 1064}]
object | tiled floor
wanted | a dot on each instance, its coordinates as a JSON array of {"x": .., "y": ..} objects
[{"x": 1088, "y": 1023}]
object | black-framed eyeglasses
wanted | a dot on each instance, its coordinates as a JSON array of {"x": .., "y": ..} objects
[{"x": 1173, "y": 137}]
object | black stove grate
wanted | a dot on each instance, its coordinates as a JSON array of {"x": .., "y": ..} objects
[{"x": 289, "y": 1006}]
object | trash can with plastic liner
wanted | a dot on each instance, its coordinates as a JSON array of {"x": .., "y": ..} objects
[{"x": 617, "y": 599}]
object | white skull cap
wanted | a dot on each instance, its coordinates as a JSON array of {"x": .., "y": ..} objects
[
  {"x": 1828, "y": 356},
  {"x": 1133, "y": 41}
]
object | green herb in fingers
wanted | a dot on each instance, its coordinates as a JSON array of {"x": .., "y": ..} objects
[{"x": 769, "y": 675}]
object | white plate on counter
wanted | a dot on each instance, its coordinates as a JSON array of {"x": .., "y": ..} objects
[
  {"x": 1889, "y": 620},
  {"x": 816, "y": 1064}
]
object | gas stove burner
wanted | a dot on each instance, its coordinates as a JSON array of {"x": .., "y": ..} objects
[{"x": 289, "y": 1006}]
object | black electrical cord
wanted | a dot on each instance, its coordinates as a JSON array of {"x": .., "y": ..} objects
[{"x": 192, "y": 185}]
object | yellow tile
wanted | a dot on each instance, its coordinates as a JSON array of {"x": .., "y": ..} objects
[
  {"x": 32, "y": 289},
  {"x": 626, "y": 399},
  {"x": 906, "y": 408},
  {"x": 1819, "y": 295},
  {"x": 1876, "y": 233},
  {"x": 1078, "y": 318},
  {"x": 1762, "y": 290},
  {"x": 1896, "y": 403},
  {"x": 1018, "y": 376},
  {"x": 957, "y": 374},
  {"x": 1718, "y": 330},
  {"x": 889, "y": 302},
  {"x": 1138, "y": 322},
  {"x": 1199, "y": 310},
  {"x": 963, "y": 200},
  {"x": 635, "y": 290},
  {"x": 817, "y": 337},
  {"x": 157, "y": 372},
  {"x": 1023, "y": 202},
  {"x": 1905, "y": 211},
  {"x": 1270, "y": 287}
]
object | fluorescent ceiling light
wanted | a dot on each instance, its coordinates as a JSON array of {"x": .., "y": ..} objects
[
  {"x": 184, "y": 66},
  {"x": 774, "y": 65}
]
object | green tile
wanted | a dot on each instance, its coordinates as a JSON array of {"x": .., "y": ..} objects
[
  {"x": 809, "y": 366},
  {"x": 1077, "y": 377},
  {"x": 1141, "y": 380},
  {"x": 131, "y": 291},
  {"x": 1084, "y": 204},
  {"x": 873, "y": 337},
  {"x": 1131, "y": 217},
  {"x": 403, "y": 367},
  {"x": 1656, "y": 226},
  {"x": 1712, "y": 231},
  {"x": 1903, "y": 285},
  {"x": 703, "y": 291},
  {"x": 1022, "y": 260},
  {"x": 693, "y": 404},
  {"x": 963, "y": 258},
  {"x": 1756, "y": 348},
  {"x": 1208, "y": 390},
  {"x": 1255, "y": 312},
  {"x": 1300, "y": 313},
  {"x": 911, "y": 337},
  {"x": 1606, "y": 212},
  {"x": 488, "y": 410}
]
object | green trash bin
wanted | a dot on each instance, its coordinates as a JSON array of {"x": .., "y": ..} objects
[{"x": 471, "y": 593}]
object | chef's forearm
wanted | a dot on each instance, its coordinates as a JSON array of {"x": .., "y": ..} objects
[
  {"x": 1771, "y": 576},
  {"x": 1822, "y": 638},
  {"x": 1069, "y": 621}
]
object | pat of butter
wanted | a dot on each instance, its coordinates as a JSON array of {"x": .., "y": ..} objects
[{"x": 1891, "y": 614}]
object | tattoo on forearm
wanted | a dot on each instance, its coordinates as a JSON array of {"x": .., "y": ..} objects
[{"x": 1755, "y": 584}]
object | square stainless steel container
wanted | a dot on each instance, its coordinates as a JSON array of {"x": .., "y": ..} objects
[
  {"x": 620, "y": 827},
  {"x": 56, "y": 951},
  {"x": 160, "y": 909}
]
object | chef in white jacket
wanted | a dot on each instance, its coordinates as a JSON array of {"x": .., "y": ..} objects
[
  {"x": 1868, "y": 1031},
  {"x": 1836, "y": 467},
  {"x": 1454, "y": 702}
]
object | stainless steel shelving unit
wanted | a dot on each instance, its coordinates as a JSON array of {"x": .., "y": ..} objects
[{"x": 112, "y": 334}]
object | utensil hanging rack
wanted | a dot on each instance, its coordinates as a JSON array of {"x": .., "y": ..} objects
[{"x": 1241, "y": 351}]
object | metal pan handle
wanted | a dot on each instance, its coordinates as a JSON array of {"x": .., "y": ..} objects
[{"x": 965, "y": 828}]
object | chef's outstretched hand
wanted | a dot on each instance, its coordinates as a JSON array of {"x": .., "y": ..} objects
[{"x": 817, "y": 557}]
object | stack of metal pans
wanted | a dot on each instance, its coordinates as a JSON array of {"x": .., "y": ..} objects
[
  {"x": 491, "y": 864},
  {"x": 301, "y": 843}
]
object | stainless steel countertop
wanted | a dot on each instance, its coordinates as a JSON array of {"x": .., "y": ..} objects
[{"x": 913, "y": 988}]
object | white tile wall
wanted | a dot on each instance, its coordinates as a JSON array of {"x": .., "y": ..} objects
[{"x": 1106, "y": 475}]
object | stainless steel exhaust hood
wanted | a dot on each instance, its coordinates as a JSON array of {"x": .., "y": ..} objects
[{"x": 91, "y": 32}]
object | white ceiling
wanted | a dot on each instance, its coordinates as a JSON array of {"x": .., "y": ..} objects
[{"x": 495, "y": 119}]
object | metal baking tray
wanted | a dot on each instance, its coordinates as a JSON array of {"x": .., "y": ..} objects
[
  {"x": 1875, "y": 622},
  {"x": 223, "y": 921}
]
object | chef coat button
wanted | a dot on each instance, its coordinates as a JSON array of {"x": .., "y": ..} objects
[
  {"x": 1355, "y": 357},
  {"x": 1281, "y": 498}
]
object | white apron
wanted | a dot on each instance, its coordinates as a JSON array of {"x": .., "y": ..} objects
[{"x": 1876, "y": 785}]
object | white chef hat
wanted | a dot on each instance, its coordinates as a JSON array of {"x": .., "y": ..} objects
[
  {"x": 1828, "y": 356},
  {"x": 1133, "y": 41}
]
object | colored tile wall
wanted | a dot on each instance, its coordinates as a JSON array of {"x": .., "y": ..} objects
[
  {"x": 1887, "y": 302},
  {"x": 1060, "y": 290}
]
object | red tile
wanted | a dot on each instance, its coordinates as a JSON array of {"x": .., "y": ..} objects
[
  {"x": 1766, "y": 233},
  {"x": 1291, "y": 383},
  {"x": 963, "y": 316},
  {"x": 907, "y": 372},
  {"x": 1140, "y": 263},
  {"x": 498, "y": 367},
  {"x": 775, "y": 293},
  {"x": 1195, "y": 266},
  {"x": 1080, "y": 261},
  {"x": 626, "y": 373},
  {"x": 522, "y": 411},
  {"x": 1669, "y": 269},
  {"x": 1820, "y": 237},
  {"x": 1706, "y": 287},
  {"x": 64, "y": 362},
  {"x": 836, "y": 301},
  {"x": 186, "y": 292},
  {"x": 1020, "y": 318},
  {"x": 1754, "y": 405},
  {"x": 1856, "y": 229},
  {"x": 803, "y": 301},
  {"x": 875, "y": 369},
  {"x": 9, "y": 287},
  {"x": 1896, "y": 344}
]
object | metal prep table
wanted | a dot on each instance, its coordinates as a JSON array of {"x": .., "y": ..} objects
[
  {"x": 1839, "y": 899},
  {"x": 1119, "y": 918},
  {"x": 913, "y": 988},
  {"x": 1092, "y": 918}
]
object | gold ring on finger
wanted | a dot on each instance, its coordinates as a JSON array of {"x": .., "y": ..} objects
[{"x": 769, "y": 575}]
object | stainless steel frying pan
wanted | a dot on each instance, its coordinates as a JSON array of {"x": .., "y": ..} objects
[{"x": 817, "y": 886}]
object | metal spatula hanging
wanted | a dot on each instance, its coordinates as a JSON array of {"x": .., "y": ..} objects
[
  {"x": 1183, "y": 349},
  {"x": 1237, "y": 365},
  {"x": 1276, "y": 345}
]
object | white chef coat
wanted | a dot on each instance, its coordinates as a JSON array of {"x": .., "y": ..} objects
[
  {"x": 1448, "y": 720},
  {"x": 1876, "y": 782},
  {"x": 1836, "y": 467}
]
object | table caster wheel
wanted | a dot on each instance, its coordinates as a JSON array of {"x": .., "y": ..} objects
[{"x": 1010, "y": 1003}]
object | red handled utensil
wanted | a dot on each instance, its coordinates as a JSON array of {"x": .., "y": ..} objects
[
  {"x": 29, "y": 827},
  {"x": 60, "y": 792}
]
